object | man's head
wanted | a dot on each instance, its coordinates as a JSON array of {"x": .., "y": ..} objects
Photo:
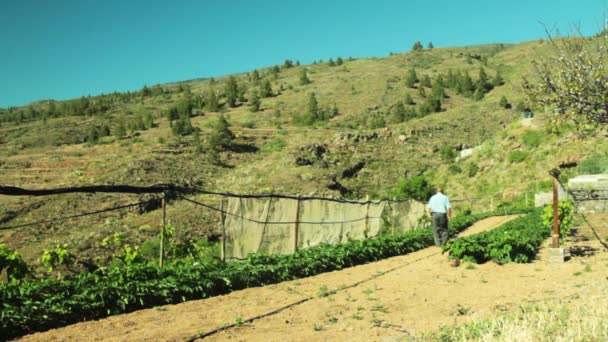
[{"x": 439, "y": 189}]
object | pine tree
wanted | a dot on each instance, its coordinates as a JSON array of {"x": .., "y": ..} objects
[
  {"x": 408, "y": 100},
  {"x": 211, "y": 101},
  {"x": 231, "y": 91},
  {"x": 254, "y": 101},
  {"x": 304, "y": 77},
  {"x": 504, "y": 103},
  {"x": 398, "y": 113},
  {"x": 339, "y": 61},
  {"x": 483, "y": 82},
  {"x": 498, "y": 81},
  {"x": 426, "y": 81},
  {"x": 331, "y": 63},
  {"x": 411, "y": 78},
  {"x": 120, "y": 130},
  {"x": 417, "y": 46},
  {"x": 313, "y": 107},
  {"x": 265, "y": 89},
  {"x": 221, "y": 136},
  {"x": 431, "y": 46},
  {"x": 421, "y": 91},
  {"x": 437, "y": 90}
]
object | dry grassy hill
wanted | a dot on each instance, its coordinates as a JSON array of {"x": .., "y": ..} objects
[{"x": 52, "y": 150}]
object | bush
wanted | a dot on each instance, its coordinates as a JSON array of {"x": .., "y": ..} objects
[
  {"x": 517, "y": 156},
  {"x": 454, "y": 169},
  {"x": 532, "y": 137},
  {"x": 565, "y": 217},
  {"x": 417, "y": 188},
  {"x": 473, "y": 169}
]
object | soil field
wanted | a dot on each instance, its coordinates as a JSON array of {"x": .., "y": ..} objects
[{"x": 388, "y": 300}]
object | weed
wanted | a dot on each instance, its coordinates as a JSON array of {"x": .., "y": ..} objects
[
  {"x": 357, "y": 317},
  {"x": 318, "y": 327},
  {"x": 379, "y": 307}
]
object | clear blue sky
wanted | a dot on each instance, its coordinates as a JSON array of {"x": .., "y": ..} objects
[{"x": 68, "y": 48}]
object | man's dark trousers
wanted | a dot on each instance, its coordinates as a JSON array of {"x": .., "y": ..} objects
[{"x": 440, "y": 228}]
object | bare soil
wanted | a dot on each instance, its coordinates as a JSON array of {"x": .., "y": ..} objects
[{"x": 423, "y": 294}]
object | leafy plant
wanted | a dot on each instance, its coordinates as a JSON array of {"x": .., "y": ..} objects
[
  {"x": 51, "y": 258},
  {"x": 565, "y": 217},
  {"x": 514, "y": 241},
  {"x": 10, "y": 261},
  {"x": 41, "y": 304}
]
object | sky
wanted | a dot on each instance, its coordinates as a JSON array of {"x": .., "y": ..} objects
[{"x": 62, "y": 49}]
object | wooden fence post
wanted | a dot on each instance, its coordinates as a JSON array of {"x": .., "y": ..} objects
[
  {"x": 296, "y": 227},
  {"x": 223, "y": 225},
  {"x": 161, "y": 260},
  {"x": 366, "y": 231}
]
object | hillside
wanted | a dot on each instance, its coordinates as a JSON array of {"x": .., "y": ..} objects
[{"x": 364, "y": 121}]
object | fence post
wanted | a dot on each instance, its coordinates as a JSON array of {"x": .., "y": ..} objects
[
  {"x": 223, "y": 225},
  {"x": 555, "y": 173},
  {"x": 365, "y": 232},
  {"x": 161, "y": 258},
  {"x": 296, "y": 227}
]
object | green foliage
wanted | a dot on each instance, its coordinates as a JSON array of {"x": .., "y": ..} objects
[
  {"x": 473, "y": 169},
  {"x": 255, "y": 102},
  {"x": 597, "y": 164},
  {"x": 58, "y": 256},
  {"x": 515, "y": 241},
  {"x": 411, "y": 78},
  {"x": 572, "y": 82},
  {"x": 517, "y": 156},
  {"x": 265, "y": 89},
  {"x": 565, "y": 217},
  {"x": 408, "y": 100},
  {"x": 533, "y": 137},
  {"x": 11, "y": 261},
  {"x": 221, "y": 135},
  {"x": 304, "y": 80},
  {"x": 417, "y": 188},
  {"x": 504, "y": 103},
  {"x": 41, "y": 304},
  {"x": 182, "y": 126},
  {"x": 448, "y": 153},
  {"x": 212, "y": 103},
  {"x": 231, "y": 91},
  {"x": 417, "y": 46},
  {"x": 454, "y": 169}
]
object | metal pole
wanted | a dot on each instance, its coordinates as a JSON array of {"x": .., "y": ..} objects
[
  {"x": 555, "y": 215},
  {"x": 296, "y": 227},
  {"x": 223, "y": 229},
  {"x": 161, "y": 260}
]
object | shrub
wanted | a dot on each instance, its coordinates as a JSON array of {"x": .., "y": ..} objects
[
  {"x": 532, "y": 137},
  {"x": 417, "y": 188},
  {"x": 517, "y": 156}
]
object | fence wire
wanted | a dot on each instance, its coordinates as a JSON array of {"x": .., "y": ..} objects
[
  {"x": 59, "y": 219},
  {"x": 276, "y": 222}
]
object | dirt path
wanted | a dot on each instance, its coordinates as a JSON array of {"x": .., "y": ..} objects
[{"x": 424, "y": 294}]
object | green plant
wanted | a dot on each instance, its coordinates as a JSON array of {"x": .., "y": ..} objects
[
  {"x": 514, "y": 241},
  {"x": 417, "y": 187},
  {"x": 517, "y": 156},
  {"x": 41, "y": 304},
  {"x": 565, "y": 217},
  {"x": 11, "y": 261},
  {"x": 533, "y": 137},
  {"x": 58, "y": 256}
]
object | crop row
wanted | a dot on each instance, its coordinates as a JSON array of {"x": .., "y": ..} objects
[
  {"x": 514, "y": 241},
  {"x": 41, "y": 304}
]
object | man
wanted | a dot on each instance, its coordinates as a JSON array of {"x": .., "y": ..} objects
[{"x": 440, "y": 211}]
